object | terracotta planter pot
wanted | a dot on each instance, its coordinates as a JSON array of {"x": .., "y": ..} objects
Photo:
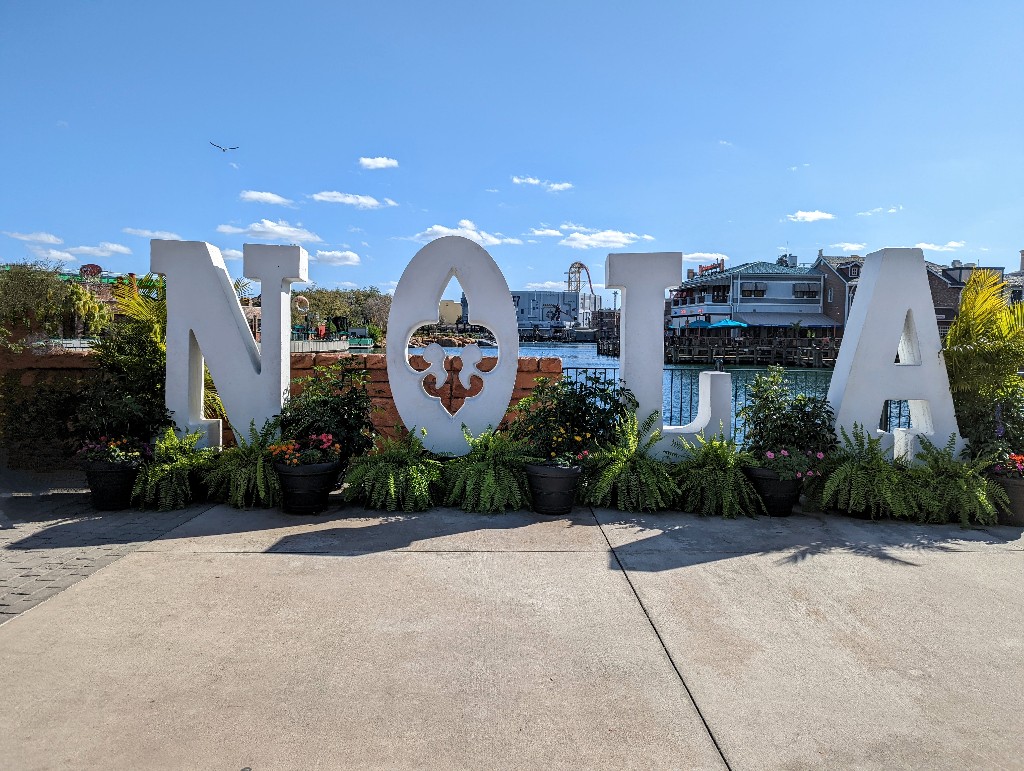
[
  {"x": 779, "y": 495},
  {"x": 110, "y": 485},
  {"x": 553, "y": 488},
  {"x": 305, "y": 489},
  {"x": 1015, "y": 492}
]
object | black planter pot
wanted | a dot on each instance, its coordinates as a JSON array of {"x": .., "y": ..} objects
[
  {"x": 110, "y": 485},
  {"x": 553, "y": 487},
  {"x": 305, "y": 489},
  {"x": 779, "y": 495}
]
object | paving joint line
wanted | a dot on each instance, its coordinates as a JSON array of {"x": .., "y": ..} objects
[{"x": 664, "y": 647}]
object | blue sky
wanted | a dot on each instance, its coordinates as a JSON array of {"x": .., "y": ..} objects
[{"x": 549, "y": 131}]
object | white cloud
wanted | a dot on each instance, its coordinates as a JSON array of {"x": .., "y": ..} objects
[
  {"x": 352, "y": 199},
  {"x": 646, "y": 237},
  {"x": 551, "y": 187},
  {"x": 268, "y": 230},
  {"x": 231, "y": 254},
  {"x": 346, "y": 285},
  {"x": 492, "y": 190},
  {"x": 553, "y": 285},
  {"x": 44, "y": 253},
  {"x": 466, "y": 229},
  {"x": 105, "y": 249},
  {"x": 544, "y": 232},
  {"x": 39, "y": 238},
  {"x": 846, "y": 246},
  {"x": 255, "y": 196},
  {"x": 810, "y": 216},
  {"x": 725, "y": 143},
  {"x": 879, "y": 209},
  {"x": 576, "y": 228},
  {"x": 338, "y": 258},
  {"x": 704, "y": 257},
  {"x": 601, "y": 239},
  {"x": 165, "y": 235},
  {"x": 949, "y": 246},
  {"x": 378, "y": 163}
]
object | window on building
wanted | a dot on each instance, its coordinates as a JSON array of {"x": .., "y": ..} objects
[
  {"x": 831, "y": 295},
  {"x": 720, "y": 294},
  {"x": 753, "y": 288},
  {"x": 854, "y": 271},
  {"x": 805, "y": 290}
]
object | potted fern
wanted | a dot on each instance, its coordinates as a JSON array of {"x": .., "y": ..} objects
[
  {"x": 324, "y": 422},
  {"x": 712, "y": 481},
  {"x": 625, "y": 473},
  {"x": 863, "y": 482},
  {"x": 397, "y": 474},
  {"x": 787, "y": 436},
  {"x": 566, "y": 421},
  {"x": 243, "y": 476},
  {"x": 172, "y": 480},
  {"x": 491, "y": 477},
  {"x": 950, "y": 490}
]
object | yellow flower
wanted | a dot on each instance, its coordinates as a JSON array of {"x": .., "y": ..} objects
[{"x": 578, "y": 439}]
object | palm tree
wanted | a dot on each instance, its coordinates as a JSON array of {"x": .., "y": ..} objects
[{"x": 984, "y": 352}]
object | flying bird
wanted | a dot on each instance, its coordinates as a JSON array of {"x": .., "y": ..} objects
[{"x": 223, "y": 149}]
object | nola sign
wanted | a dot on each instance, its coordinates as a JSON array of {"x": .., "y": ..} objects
[{"x": 893, "y": 315}]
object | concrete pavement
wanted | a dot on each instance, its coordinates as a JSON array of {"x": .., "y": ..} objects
[{"x": 452, "y": 640}]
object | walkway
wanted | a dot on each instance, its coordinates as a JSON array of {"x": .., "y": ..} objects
[{"x": 450, "y": 640}]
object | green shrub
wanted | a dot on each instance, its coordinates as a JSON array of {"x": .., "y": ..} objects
[
  {"x": 244, "y": 476},
  {"x": 711, "y": 479},
  {"x": 624, "y": 473},
  {"x": 774, "y": 418},
  {"x": 396, "y": 475},
  {"x": 864, "y": 480},
  {"x": 165, "y": 483},
  {"x": 562, "y": 418},
  {"x": 954, "y": 491},
  {"x": 334, "y": 401},
  {"x": 35, "y": 421},
  {"x": 491, "y": 477}
]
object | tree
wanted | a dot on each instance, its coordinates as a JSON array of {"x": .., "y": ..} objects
[
  {"x": 984, "y": 351},
  {"x": 363, "y": 307},
  {"x": 32, "y": 301}
]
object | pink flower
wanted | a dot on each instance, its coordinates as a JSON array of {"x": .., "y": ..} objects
[
  {"x": 798, "y": 474},
  {"x": 820, "y": 456},
  {"x": 770, "y": 455},
  {"x": 810, "y": 473},
  {"x": 784, "y": 454}
]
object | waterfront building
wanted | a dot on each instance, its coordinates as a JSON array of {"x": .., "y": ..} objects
[
  {"x": 946, "y": 282},
  {"x": 548, "y": 311},
  {"x": 449, "y": 312},
  {"x": 759, "y": 294}
]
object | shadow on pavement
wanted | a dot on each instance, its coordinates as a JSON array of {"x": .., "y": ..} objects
[{"x": 656, "y": 542}]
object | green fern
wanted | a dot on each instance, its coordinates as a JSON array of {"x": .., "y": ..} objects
[
  {"x": 711, "y": 479},
  {"x": 491, "y": 477},
  {"x": 864, "y": 481},
  {"x": 955, "y": 491},
  {"x": 624, "y": 473},
  {"x": 244, "y": 476},
  {"x": 165, "y": 483},
  {"x": 397, "y": 475}
]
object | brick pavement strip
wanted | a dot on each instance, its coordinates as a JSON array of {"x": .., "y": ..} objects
[{"x": 55, "y": 544}]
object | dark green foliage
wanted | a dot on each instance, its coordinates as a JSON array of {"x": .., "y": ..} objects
[
  {"x": 396, "y": 475},
  {"x": 491, "y": 477},
  {"x": 711, "y": 479},
  {"x": 334, "y": 401},
  {"x": 33, "y": 299},
  {"x": 562, "y": 417},
  {"x": 864, "y": 481},
  {"x": 954, "y": 491},
  {"x": 165, "y": 483},
  {"x": 774, "y": 418},
  {"x": 244, "y": 476},
  {"x": 127, "y": 398},
  {"x": 624, "y": 474},
  {"x": 35, "y": 421}
]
